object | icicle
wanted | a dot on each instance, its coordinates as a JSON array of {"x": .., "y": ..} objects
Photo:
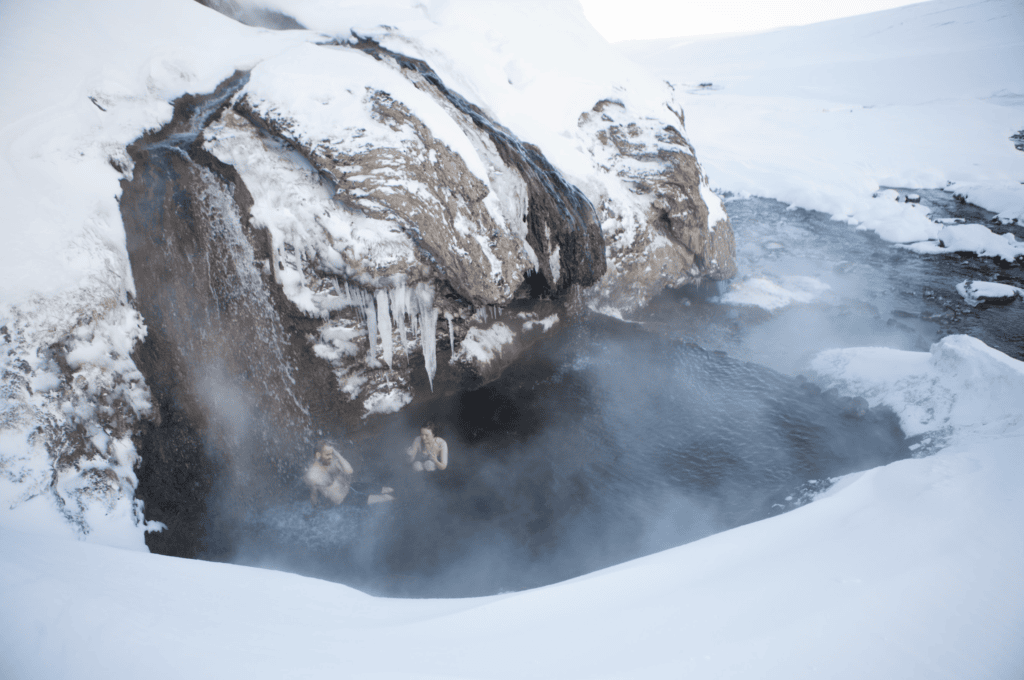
[
  {"x": 413, "y": 310},
  {"x": 451, "y": 336},
  {"x": 398, "y": 309},
  {"x": 384, "y": 324},
  {"x": 428, "y": 328},
  {"x": 371, "y": 329}
]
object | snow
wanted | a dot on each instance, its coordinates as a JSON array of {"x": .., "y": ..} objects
[
  {"x": 484, "y": 344},
  {"x": 762, "y": 292},
  {"x": 975, "y": 292},
  {"x": 322, "y": 94},
  {"x": 390, "y": 401},
  {"x": 972, "y": 238},
  {"x": 545, "y": 324},
  {"x": 923, "y": 96},
  {"x": 912, "y": 570}
]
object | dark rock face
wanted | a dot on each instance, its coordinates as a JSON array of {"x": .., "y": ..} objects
[{"x": 238, "y": 391}]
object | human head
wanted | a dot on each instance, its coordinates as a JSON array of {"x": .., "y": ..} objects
[
  {"x": 429, "y": 430},
  {"x": 324, "y": 450}
]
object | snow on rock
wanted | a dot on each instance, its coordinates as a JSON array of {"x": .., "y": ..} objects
[
  {"x": 387, "y": 402},
  {"x": 484, "y": 344},
  {"x": 663, "y": 226},
  {"x": 972, "y": 238},
  {"x": 394, "y": 155},
  {"x": 71, "y": 400},
  {"x": 545, "y": 324},
  {"x": 977, "y": 292},
  {"x": 769, "y": 295}
]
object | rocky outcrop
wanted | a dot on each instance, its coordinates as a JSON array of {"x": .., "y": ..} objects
[
  {"x": 671, "y": 230},
  {"x": 409, "y": 220},
  {"x": 321, "y": 242}
]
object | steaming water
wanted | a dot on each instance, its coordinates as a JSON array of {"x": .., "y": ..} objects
[
  {"x": 879, "y": 294},
  {"x": 620, "y": 439},
  {"x": 604, "y": 446},
  {"x": 610, "y": 441}
]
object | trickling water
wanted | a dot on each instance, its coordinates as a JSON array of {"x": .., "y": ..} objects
[{"x": 236, "y": 398}]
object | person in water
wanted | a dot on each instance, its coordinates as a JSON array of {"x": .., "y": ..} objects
[
  {"x": 428, "y": 451},
  {"x": 329, "y": 476}
]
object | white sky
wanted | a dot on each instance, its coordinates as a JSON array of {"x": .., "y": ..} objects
[{"x": 644, "y": 19}]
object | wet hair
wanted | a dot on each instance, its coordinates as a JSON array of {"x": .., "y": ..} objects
[
  {"x": 432, "y": 426},
  {"x": 324, "y": 443}
]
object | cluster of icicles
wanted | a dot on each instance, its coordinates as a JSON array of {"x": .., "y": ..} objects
[{"x": 402, "y": 305}]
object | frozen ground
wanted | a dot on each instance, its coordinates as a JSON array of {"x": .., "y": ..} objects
[
  {"x": 913, "y": 570},
  {"x": 822, "y": 116}
]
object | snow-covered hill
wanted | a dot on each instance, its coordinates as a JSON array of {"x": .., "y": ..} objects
[
  {"x": 821, "y": 116},
  {"x": 912, "y": 570}
]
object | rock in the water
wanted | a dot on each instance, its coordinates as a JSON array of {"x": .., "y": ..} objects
[{"x": 981, "y": 292}]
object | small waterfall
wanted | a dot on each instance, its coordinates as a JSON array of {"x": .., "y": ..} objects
[{"x": 234, "y": 385}]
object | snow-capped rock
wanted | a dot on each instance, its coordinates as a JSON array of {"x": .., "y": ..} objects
[{"x": 344, "y": 189}]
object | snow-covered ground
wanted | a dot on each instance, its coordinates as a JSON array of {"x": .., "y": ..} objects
[
  {"x": 822, "y": 116},
  {"x": 914, "y": 570}
]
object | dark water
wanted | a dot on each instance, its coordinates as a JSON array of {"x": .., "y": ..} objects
[
  {"x": 880, "y": 294},
  {"x": 608, "y": 444}
]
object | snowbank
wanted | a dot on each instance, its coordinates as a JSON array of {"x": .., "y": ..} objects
[
  {"x": 972, "y": 238},
  {"x": 925, "y": 96},
  {"x": 913, "y": 570},
  {"x": 976, "y": 292}
]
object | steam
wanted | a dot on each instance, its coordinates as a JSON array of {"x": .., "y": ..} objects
[{"x": 578, "y": 458}]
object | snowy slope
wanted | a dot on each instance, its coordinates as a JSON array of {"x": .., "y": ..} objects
[
  {"x": 914, "y": 570},
  {"x": 821, "y": 116}
]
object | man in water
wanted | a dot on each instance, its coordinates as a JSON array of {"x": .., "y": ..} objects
[
  {"x": 330, "y": 475},
  {"x": 428, "y": 451}
]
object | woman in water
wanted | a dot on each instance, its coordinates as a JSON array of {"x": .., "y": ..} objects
[{"x": 428, "y": 451}]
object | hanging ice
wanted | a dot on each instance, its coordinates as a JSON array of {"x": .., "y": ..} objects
[
  {"x": 427, "y": 314},
  {"x": 384, "y": 325},
  {"x": 399, "y": 307},
  {"x": 451, "y": 336},
  {"x": 371, "y": 330}
]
